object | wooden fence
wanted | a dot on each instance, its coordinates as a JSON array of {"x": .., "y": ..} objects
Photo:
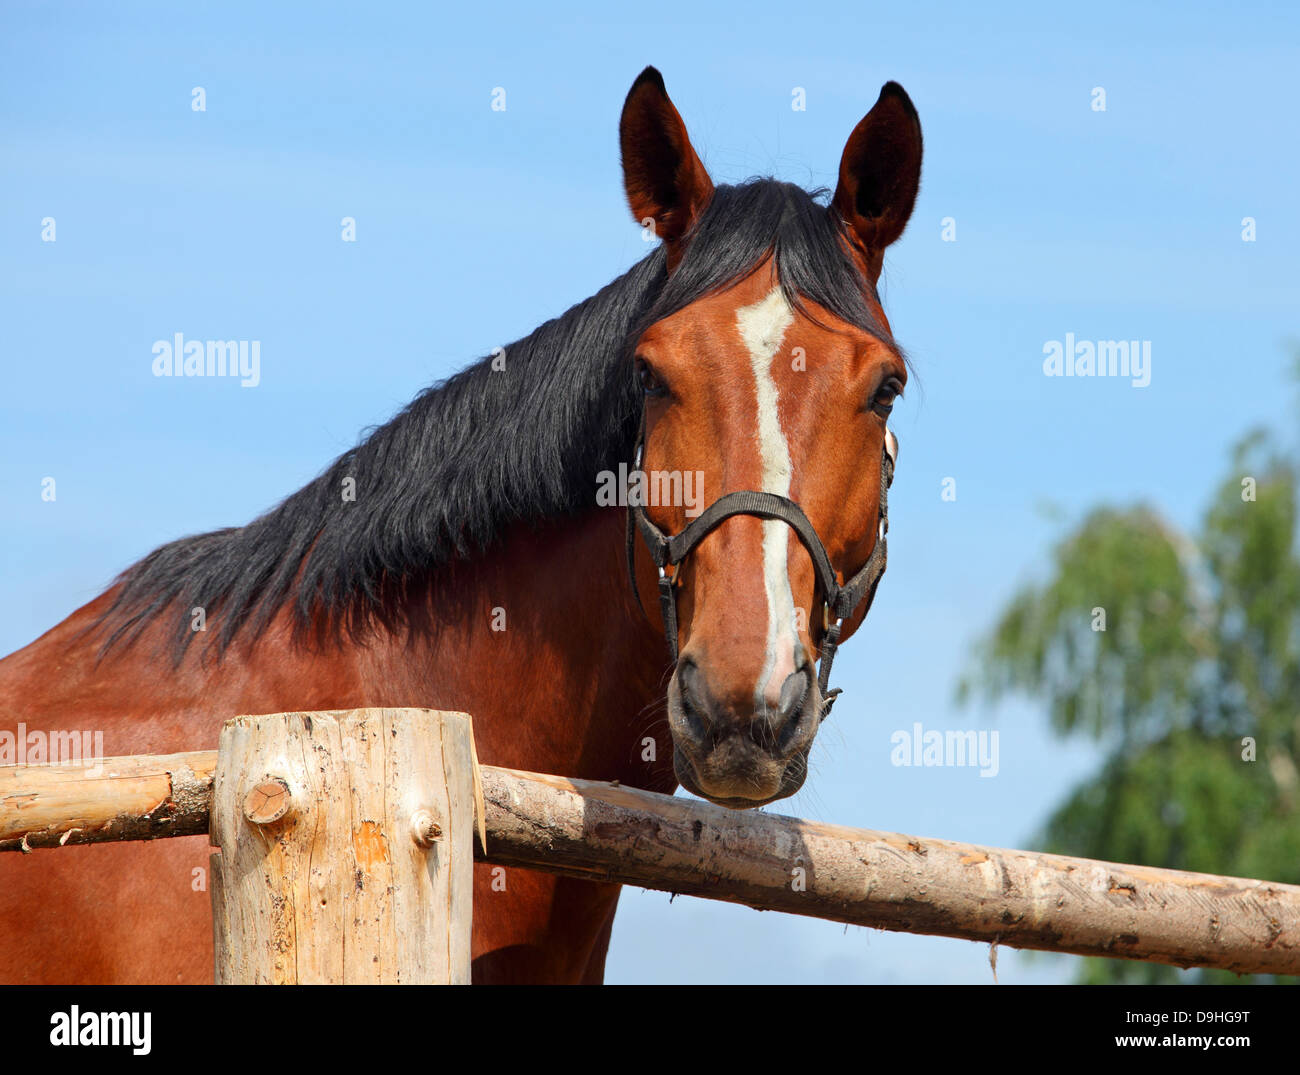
[{"x": 299, "y": 805}]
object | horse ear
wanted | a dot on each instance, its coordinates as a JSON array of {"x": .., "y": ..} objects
[
  {"x": 665, "y": 181},
  {"x": 880, "y": 173}
]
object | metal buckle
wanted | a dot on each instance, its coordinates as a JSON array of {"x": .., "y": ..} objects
[
  {"x": 676, "y": 577},
  {"x": 826, "y": 618}
]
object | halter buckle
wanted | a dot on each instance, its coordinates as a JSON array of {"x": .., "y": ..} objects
[
  {"x": 826, "y": 618},
  {"x": 675, "y": 578}
]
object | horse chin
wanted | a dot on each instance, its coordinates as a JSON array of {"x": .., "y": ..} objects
[{"x": 791, "y": 780}]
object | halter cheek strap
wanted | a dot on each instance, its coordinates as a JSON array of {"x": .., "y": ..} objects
[{"x": 840, "y": 601}]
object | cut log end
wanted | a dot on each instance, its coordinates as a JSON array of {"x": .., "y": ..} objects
[{"x": 269, "y": 801}]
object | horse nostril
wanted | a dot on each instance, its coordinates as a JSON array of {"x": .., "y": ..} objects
[
  {"x": 793, "y": 692},
  {"x": 789, "y": 714},
  {"x": 694, "y": 700}
]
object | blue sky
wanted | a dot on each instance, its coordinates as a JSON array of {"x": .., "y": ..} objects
[{"x": 475, "y": 225}]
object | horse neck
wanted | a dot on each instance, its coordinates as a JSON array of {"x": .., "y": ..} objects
[{"x": 544, "y": 644}]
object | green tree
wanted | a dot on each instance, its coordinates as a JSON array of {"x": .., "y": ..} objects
[{"x": 1196, "y": 672}]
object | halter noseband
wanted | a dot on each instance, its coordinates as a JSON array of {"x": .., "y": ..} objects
[{"x": 839, "y": 601}]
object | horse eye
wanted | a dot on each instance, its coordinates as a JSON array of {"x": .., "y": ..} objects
[
  {"x": 883, "y": 401},
  {"x": 650, "y": 384}
]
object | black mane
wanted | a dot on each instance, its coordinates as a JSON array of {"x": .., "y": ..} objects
[{"x": 485, "y": 450}]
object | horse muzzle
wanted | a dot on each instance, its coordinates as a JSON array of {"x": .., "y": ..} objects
[{"x": 741, "y": 751}]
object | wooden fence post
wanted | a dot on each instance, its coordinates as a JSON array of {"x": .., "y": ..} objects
[{"x": 345, "y": 848}]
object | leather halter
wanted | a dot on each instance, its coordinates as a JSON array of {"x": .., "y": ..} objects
[{"x": 839, "y": 601}]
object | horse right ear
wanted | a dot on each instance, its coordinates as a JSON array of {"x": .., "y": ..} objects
[
  {"x": 666, "y": 183},
  {"x": 880, "y": 173}
]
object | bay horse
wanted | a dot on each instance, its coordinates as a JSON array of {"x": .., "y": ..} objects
[{"x": 475, "y": 568}]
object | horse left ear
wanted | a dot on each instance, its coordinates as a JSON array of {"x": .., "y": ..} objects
[
  {"x": 880, "y": 173},
  {"x": 665, "y": 180}
]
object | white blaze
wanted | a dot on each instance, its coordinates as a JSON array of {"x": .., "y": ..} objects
[{"x": 762, "y": 328}]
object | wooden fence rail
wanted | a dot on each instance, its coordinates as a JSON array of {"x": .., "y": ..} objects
[{"x": 603, "y": 832}]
